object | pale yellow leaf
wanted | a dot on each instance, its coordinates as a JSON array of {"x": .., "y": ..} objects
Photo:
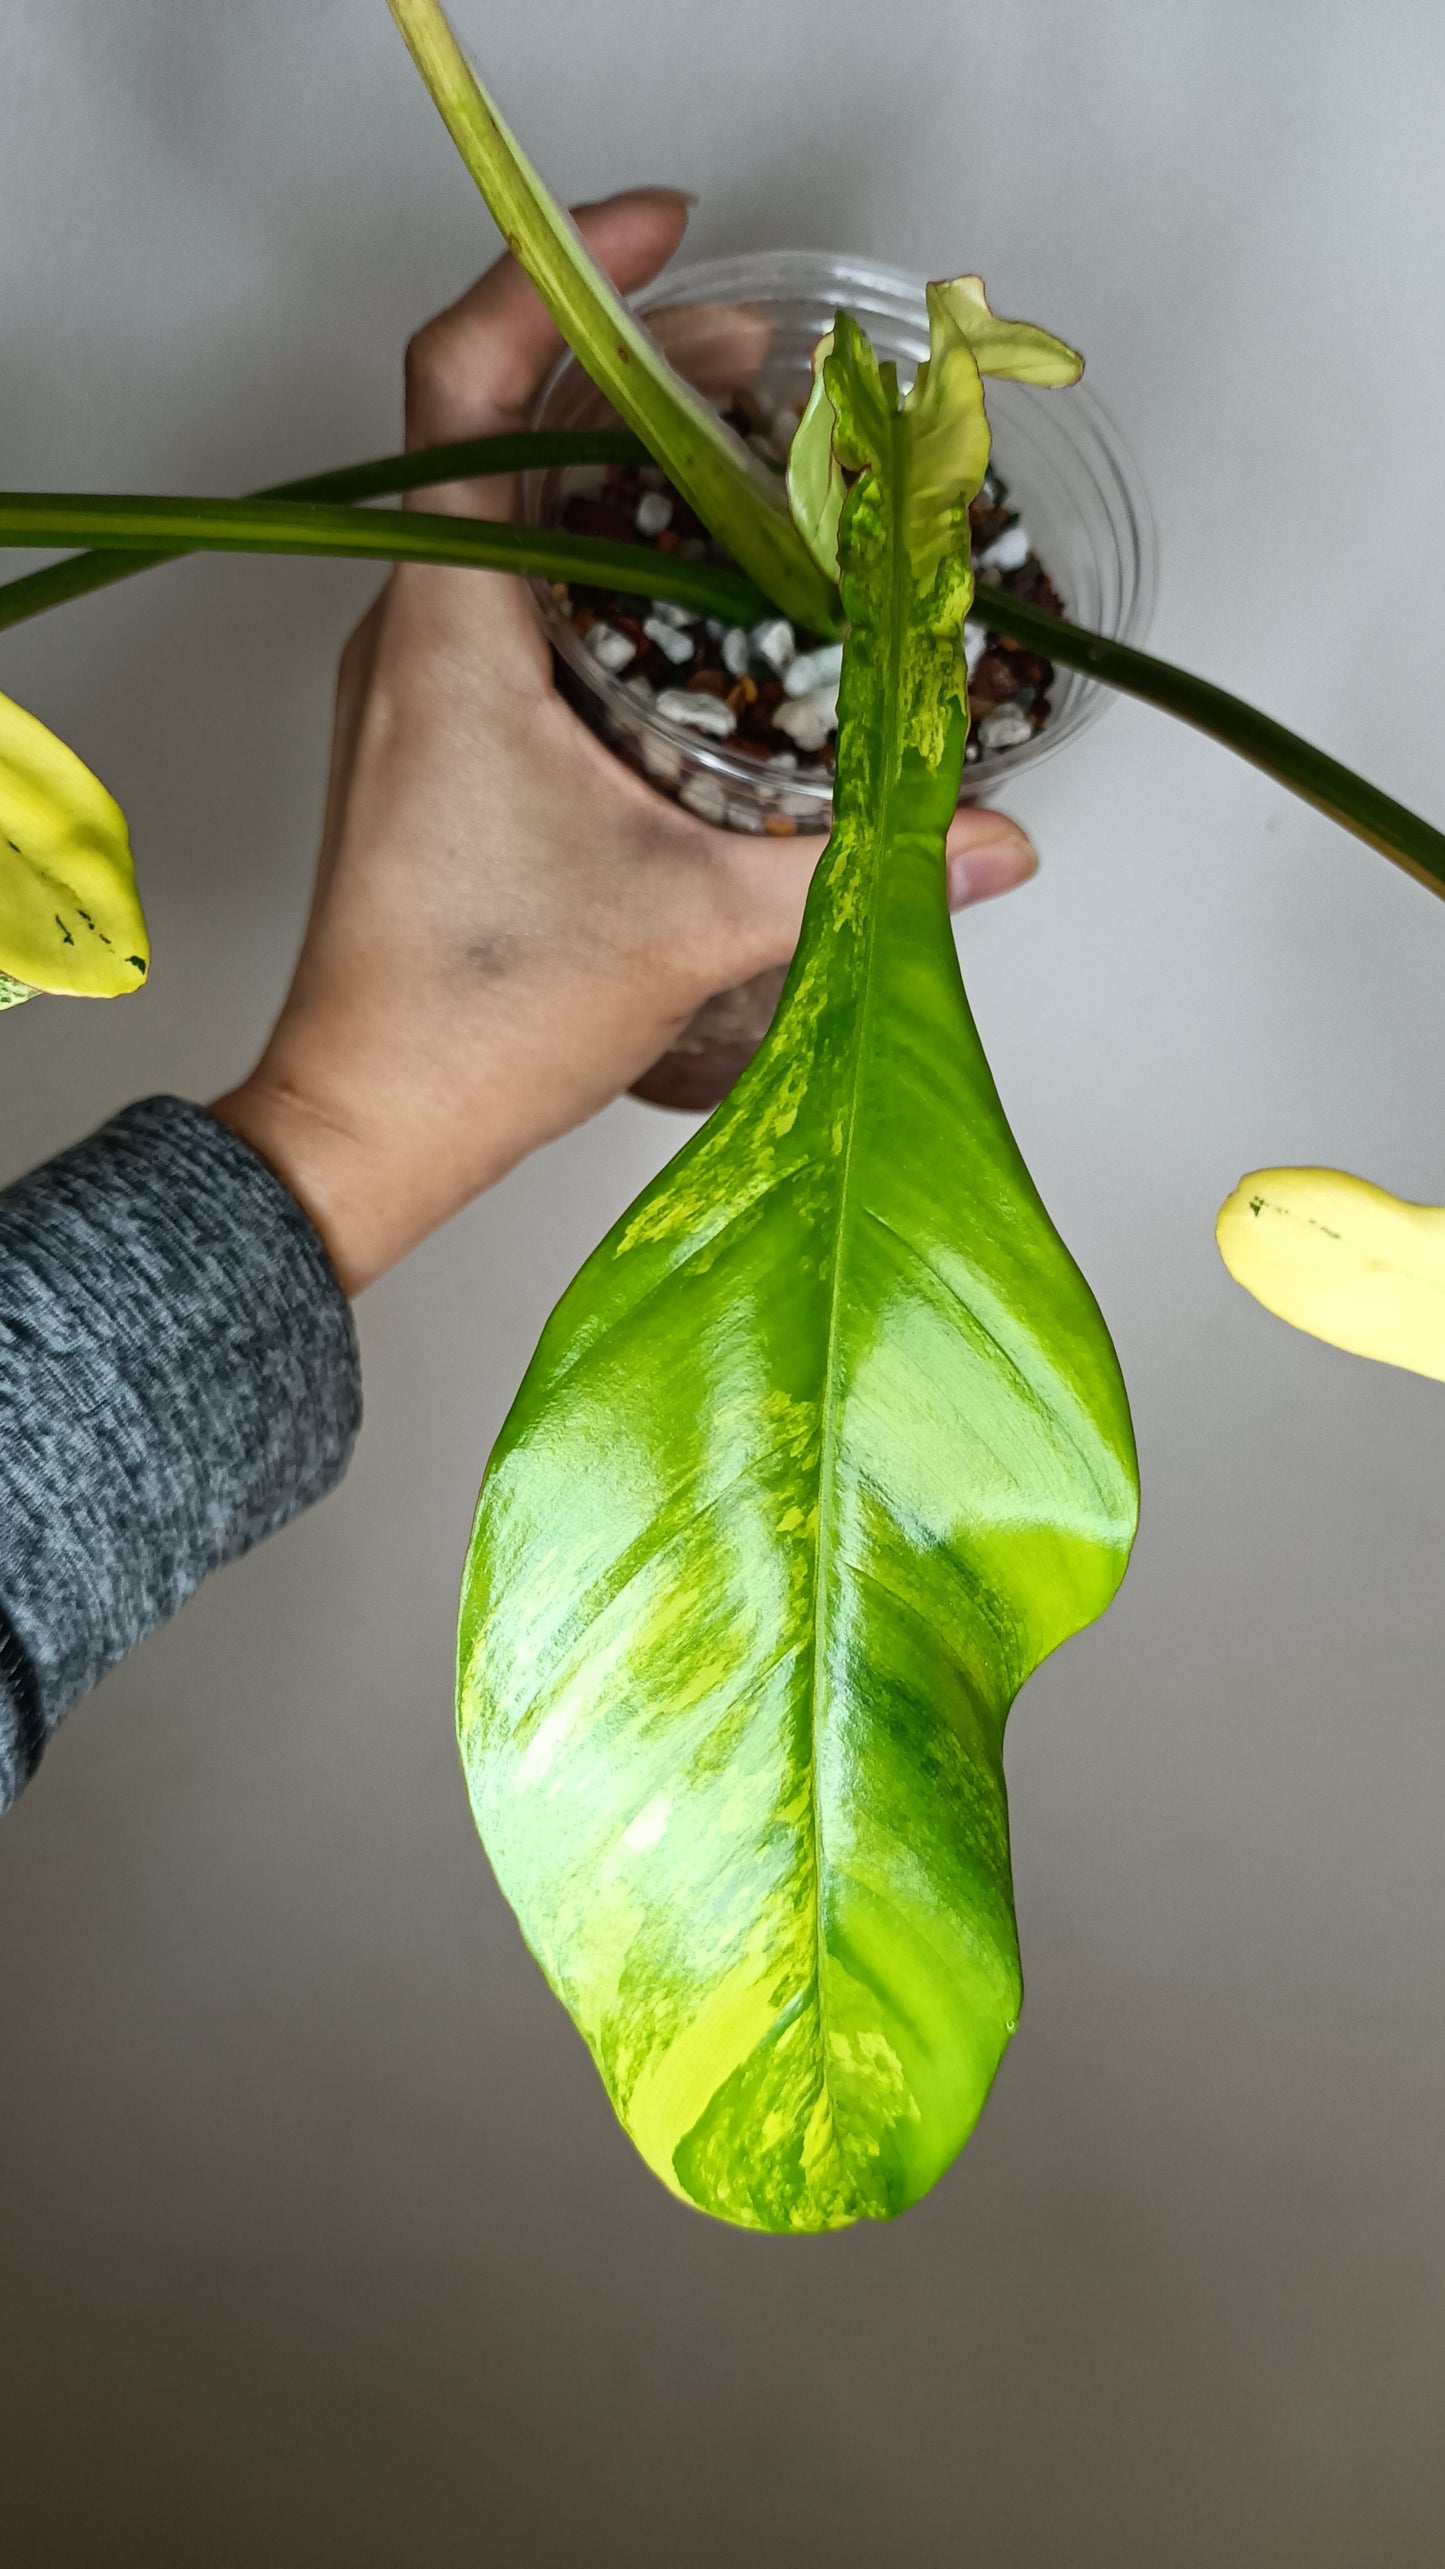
[
  {"x": 1342, "y": 1260},
  {"x": 70, "y": 915}
]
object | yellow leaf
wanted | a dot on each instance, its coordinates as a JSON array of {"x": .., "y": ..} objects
[
  {"x": 70, "y": 915},
  {"x": 1342, "y": 1260}
]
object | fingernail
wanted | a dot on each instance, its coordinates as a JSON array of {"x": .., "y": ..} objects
[
  {"x": 657, "y": 187},
  {"x": 992, "y": 866}
]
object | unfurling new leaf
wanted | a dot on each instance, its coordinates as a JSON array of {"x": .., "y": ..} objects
[
  {"x": 70, "y": 915},
  {"x": 1016, "y": 351},
  {"x": 824, "y": 1450}
]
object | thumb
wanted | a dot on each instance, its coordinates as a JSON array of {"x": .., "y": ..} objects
[
  {"x": 768, "y": 878},
  {"x": 476, "y": 369}
]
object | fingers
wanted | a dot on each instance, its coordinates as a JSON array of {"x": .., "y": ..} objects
[
  {"x": 987, "y": 854},
  {"x": 718, "y": 346},
  {"x": 768, "y": 878},
  {"x": 476, "y": 369}
]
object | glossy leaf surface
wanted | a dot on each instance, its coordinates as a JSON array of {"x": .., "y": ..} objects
[
  {"x": 1343, "y": 1261},
  {"x": 744, "y": 505},
  {"x": 820, "y": 1455},
  {"x": 70, "y": 915}
]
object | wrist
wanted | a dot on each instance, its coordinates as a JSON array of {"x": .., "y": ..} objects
[{"x": 337, "y": 1174}]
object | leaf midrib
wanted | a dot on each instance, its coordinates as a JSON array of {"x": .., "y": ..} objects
[{"x": 824, "y": 1537}]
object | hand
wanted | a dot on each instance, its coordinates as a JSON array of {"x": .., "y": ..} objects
[{"x": 508, "y": 925}]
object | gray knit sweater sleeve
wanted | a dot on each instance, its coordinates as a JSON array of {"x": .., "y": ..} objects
[{"x": 178, "y": 1378}]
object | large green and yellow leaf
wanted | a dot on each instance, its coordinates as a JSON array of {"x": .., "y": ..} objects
[
  {"x": 70, "y": 915},
  {"x": 1343, "y": 1261},
  {"x": 824, "y": 1450}
]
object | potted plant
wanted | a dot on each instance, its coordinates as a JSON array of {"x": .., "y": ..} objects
[
  {"x": 740, "y": 726},
  {"x": 826, "y": 1446}
]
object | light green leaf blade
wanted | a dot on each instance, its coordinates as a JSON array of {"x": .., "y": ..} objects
[
  {"x": 815, "y": 477},
  {"x": 733, "y": 494},
  {"x": 824, "y": 1450},
  {"x": 948, "y": 457},
  {"x": 958, "y": 309},
  {"x": 70, "y": 915}
]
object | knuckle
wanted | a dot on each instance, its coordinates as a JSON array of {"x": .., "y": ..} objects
[
  {"x": 421, "y": 351},
  {"x": 350, "y": 666},
  {"x": 425, "y": 362}
]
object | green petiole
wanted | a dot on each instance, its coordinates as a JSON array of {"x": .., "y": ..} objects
[
  {"x": 474, "y": 458},
  {"x": 33, "y": 518},
  {"x": 154, "y": 526},
  {"x": 1358, "y": 807}
]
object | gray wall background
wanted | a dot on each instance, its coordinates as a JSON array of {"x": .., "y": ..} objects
[{"x": 317, "y": 2242}]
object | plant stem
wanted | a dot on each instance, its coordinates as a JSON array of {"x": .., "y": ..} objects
[
  {"x": 474, "y": 458},
  {"x": 394, "y": 535},
  {"x": 1334, "y": 790}
]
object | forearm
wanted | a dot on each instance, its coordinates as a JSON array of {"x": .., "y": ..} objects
[{"x": 178, "y": 1378}]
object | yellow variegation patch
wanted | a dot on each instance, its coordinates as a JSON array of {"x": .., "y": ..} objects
[
  {"x": 70, "y": 915},
  {"x": 1342, "y": 1260}
]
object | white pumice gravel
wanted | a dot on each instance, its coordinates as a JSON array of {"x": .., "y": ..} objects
[
  {"x": 698, "y": 712},
  {"x": 661, "y": 760},
  {"x": 609, "y": 647},
  {"x": 674, "y": 646},
  {"x": 810, "y": 811},
  {"x": 736, "y": 647},
  {"x": 667, "y": 611},
  {"x": 640, "y": 687},
  {"x": 975, "y": 644},
  {"x": 705, "y": 796},
  {"x": 786, "y": 759},
  {"x": 654, "y": 513},
  {"x": 775, "y": 642},
  {"x": 1008, "y": 552},
  {"x": 1004, "y": 728},
  {"x": 814, "y": 669},
  {"x": 809, "y": 721}
]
